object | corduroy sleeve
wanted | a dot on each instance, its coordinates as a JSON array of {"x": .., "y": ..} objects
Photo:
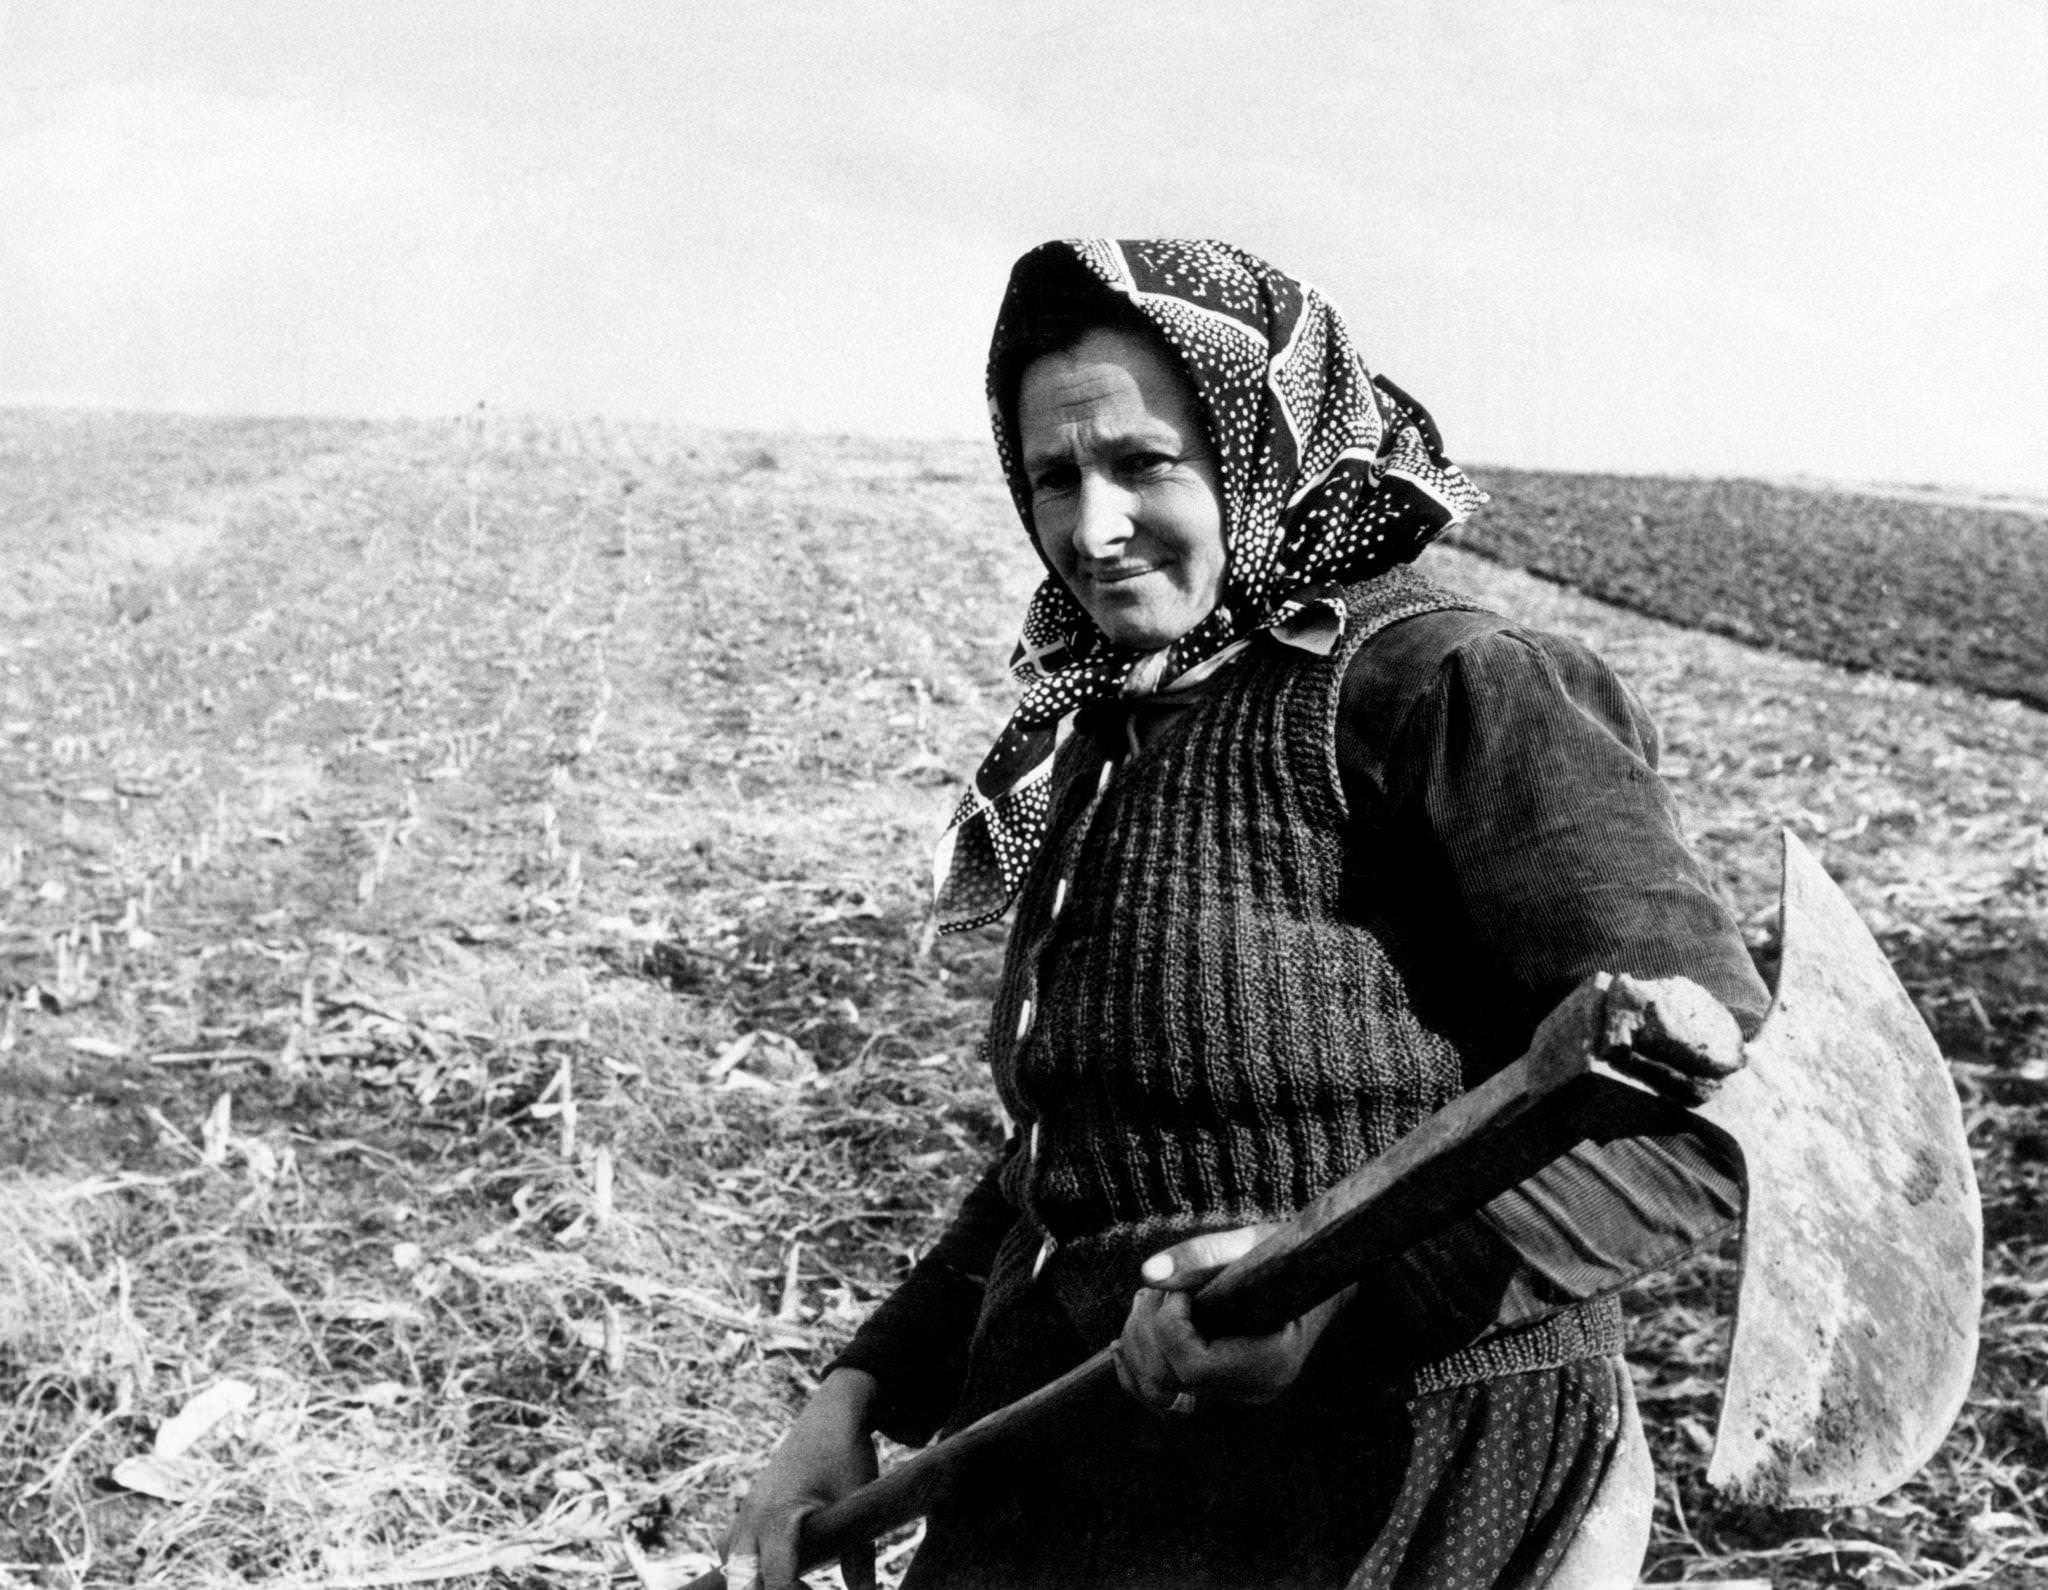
[
  {"x": 1519, "y": 772},
  {"x": 915, "y": 1343},
  {"x": 1534, "y": 770}
]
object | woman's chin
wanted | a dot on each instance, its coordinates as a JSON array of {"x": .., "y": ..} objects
[
  {"x": 1146, "y": 630},
  {"x": 1144, "y": 637}
]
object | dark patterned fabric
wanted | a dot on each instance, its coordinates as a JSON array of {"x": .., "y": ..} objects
[
  {"x": 1498, "y": 1477},
  {"x": 1340, "y": 1484},
  {"x": 1329, "y": 475}
]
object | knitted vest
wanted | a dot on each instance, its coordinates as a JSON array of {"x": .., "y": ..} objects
[{"x": 1192, "y": 1030}]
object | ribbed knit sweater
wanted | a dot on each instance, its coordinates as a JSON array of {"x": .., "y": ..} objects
[
  {"x": 1200, "y": 1026},
  {"x": 1489, "y": 793},
  {"x": 1209, "y": 1034}
]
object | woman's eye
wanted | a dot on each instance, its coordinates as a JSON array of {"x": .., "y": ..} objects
[
  {"x": 1147, "y": 466},
  {"x": 1059, "y": 478}
]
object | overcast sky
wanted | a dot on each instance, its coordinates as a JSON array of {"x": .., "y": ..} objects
[{"x": 1712, "y": 236}]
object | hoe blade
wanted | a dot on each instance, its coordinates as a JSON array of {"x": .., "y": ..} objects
[{"x": 1856, "y": 1322}]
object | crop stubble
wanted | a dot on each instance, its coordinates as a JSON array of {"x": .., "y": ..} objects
[{"x": 522, "y": 825}]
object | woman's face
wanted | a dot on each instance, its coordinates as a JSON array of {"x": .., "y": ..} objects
[{"x": 1125, "y": 495}]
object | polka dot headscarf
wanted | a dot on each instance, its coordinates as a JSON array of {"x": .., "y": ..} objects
[{"x": 1329, "y": 475}]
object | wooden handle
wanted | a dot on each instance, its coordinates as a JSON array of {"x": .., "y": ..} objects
[
  {"x": 903, "y": 1494},
  {"x": 1475, "y": 1148}
]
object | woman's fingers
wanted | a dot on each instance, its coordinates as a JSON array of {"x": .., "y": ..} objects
[
  {"x": 857, "y": 1566},
  {"x": 759, "y": 1551},
  {"x": 1241, "y": 1368},
  {"x": 1190, "y": 1360},
  {"x": 760, "y": 1554},
  {"x": 742, "y": 1570},
  {"x": 827, "y": 1453},
  {"x": 777, "y": 1560},
  {"x": 1143, "y": 1362},
  {"x": 1140, "y": 1367},
  {"x": 768, "y": 1561},
  {"x": 1161, "y": 1354}
]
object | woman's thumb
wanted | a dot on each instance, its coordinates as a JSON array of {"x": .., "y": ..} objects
[{"x": 1190, "y": 1263}]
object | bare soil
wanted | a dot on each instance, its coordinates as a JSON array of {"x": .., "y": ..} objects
[
  {"x": 1923, "y": 588},
  {"x": 466, "y": 983}
]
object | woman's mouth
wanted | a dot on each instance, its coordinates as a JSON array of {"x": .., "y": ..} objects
[{"x": 1117, "y": 574}]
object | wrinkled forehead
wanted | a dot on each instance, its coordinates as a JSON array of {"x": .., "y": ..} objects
[{"x": 1109, "y": 384}]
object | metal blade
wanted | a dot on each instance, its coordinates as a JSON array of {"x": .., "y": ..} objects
[{"x": 1856, "y": 1323}]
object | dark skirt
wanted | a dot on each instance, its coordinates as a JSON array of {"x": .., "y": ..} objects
[{"x": 1341, "y": 1484}]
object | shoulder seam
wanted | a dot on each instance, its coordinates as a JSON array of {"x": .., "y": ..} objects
[{"x": 1376, "y": 606}]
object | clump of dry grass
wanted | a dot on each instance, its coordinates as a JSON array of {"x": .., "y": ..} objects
[
  {"x": 140, "y": 1297},
  {"x": 522, "y": 827}
]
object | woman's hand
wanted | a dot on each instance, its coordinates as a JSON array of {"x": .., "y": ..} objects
[
  {"x": 827, "y": 1453},
  {"x": 1165, "y": 1363}
]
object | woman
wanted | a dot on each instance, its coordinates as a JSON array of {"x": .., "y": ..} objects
[{"x": 1300, "y": 846}]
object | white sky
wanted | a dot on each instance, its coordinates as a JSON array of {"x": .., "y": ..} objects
[{"x": 1716, "y": 236}]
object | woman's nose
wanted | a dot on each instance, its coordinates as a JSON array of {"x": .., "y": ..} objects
[{"x": 1102, "y": 519}]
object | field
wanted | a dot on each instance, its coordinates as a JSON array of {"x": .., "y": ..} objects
[
  {"x": 1928, "y": 590},
  {"x": 472, "y": 1044}
]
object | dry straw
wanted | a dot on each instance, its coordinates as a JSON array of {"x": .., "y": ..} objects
[{"x": 496, "y": 1025}]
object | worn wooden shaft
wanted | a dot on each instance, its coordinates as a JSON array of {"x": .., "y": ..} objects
[{"x": 1475, "y": 1148}]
